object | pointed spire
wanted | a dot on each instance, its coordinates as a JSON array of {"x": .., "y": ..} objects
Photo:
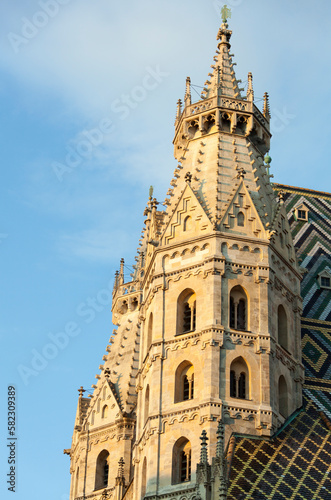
[
  {"x": 204, "y": 451},
  {"x": 121, "y": 273},
  {"x": 250, "y": 91},
  {"x": 187, "y": 98},
  {"x": 119, "y": 481},
  {"x": 120, "y": 472},
  {"x": 116, "y": 281},
  {"x": 266, "y": 108},
  {"x": 220, "y": 455},
  {"x": 179, "y": 110},
  {"x": 223, "y": 80},
  {"x": 220, "y": 439}
]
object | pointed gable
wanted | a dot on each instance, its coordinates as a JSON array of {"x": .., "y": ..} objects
[
  {"x": 105, "y": 407},
  {"x": 241, "y": 216},
  {"x": 188, "y": 219}
]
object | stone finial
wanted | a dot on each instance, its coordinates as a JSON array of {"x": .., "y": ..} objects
[
  {"x": 281, "y": 197},
  {"x": 107, "y": 373},
  {"x": 179, "y": 110},
  {"x": 220, "y": 455},
  {"x": 116, "y": 280},
  {"x": 121, "y": 273},
  {"x": 241, "y": 173},
  {"x": 250, "y": 91},
  {"x": 81, "y": 391},
  {"x": 220, "y": 439},
  {"x": 266, "y": 108},
  {"x": 154, "y": 204},
  {"x": 187, "y": 98},
  {"x": 150, "y": 192},
  {"x": 204, "y": 451},
  {"x": 121, "y": 463},
  {"x": 188, "y": 177},
  {"x": 105, "y": 495}
]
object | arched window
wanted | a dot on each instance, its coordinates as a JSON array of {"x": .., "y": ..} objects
[
  {"x": 186, "y": 312},
  {"x": 104, "y": 412},
  {"x": 149, "y": 332},
  {"x": 181, "y": 461},
  {"x": 238, "y": 309},
  {"x": 102, "y": 470},
  {"x": 282, "y": 327},
  {"x": 239, "y": 379},
  {"x": 184, "y": 382},
  {"x": 146, "y": 409},
  {"x": 282, "y": 396},
  {"x": 240, "y": 219},
  {"x": 187, "y": 225},
  {"x": 144, "y": 478}
]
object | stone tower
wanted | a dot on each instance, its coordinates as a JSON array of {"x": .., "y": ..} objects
[{"x": 208, "y": 330}]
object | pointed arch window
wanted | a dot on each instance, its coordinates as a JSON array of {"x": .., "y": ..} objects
[
  {"x": 102, "y": 470},
  {"x": 186, "y": 312},
  {"x": 146, "y": 409},
  {"x": 187, "y": 225},
  {"x": 238, "y": 309},
  {"x": 149, "y": 332},
  {"x": 104, "y": 412},
  {"x": 181, "y": 461},
  {"x": 241, "y": 219},
  {"x": 282, "y": 327},
  {"x": 184, "y": 382},
  {"x": 239, "y": 379}
]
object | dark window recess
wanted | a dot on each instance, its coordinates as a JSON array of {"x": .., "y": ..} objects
[
  {"x": 242, "y": 386},
  {"x": 325, "y": 282},
  {"x": 233, "y": 392}
]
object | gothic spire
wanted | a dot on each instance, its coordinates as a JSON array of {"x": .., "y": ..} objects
[
  {"x": 222, "y": 80},
  {"x": 204, "y": 452}
]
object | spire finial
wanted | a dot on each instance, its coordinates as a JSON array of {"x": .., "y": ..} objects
[
  {"x": 220, "y": 439},
  {"x": 151, "y": 191},
  {"x": 81, "y": 391},
  {"x": 121, "y": 273},
  {"x": 204, "y": 453},
  {"x": 188, "y": 177},
  {"x": 241, "y": 173},
  {"x": 226, "y": 13},
  {"x": 266, "y": 108},
  {"x": 120, "y": 472},
  {"x": 187, "y": 98},
  {"x": 179, "y": 110},
  {"x": 250, "y": 91},
  {"x": 116, "y": 280}
]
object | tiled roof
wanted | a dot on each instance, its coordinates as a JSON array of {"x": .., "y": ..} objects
[{"x": 294, "y": 465}]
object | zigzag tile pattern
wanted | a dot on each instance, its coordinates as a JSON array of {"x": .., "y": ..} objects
[
  {"x": 312, "y": 241},
  {"x": 294, "y": 465}
]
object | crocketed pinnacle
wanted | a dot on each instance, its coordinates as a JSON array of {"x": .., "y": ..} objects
[{"x": 222, "y": 80}]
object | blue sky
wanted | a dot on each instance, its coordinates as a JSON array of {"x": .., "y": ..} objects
[{"x": 88, "y": 94}]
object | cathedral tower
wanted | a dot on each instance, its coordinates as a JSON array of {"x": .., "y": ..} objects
[{"x": 208, "y": 330}]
